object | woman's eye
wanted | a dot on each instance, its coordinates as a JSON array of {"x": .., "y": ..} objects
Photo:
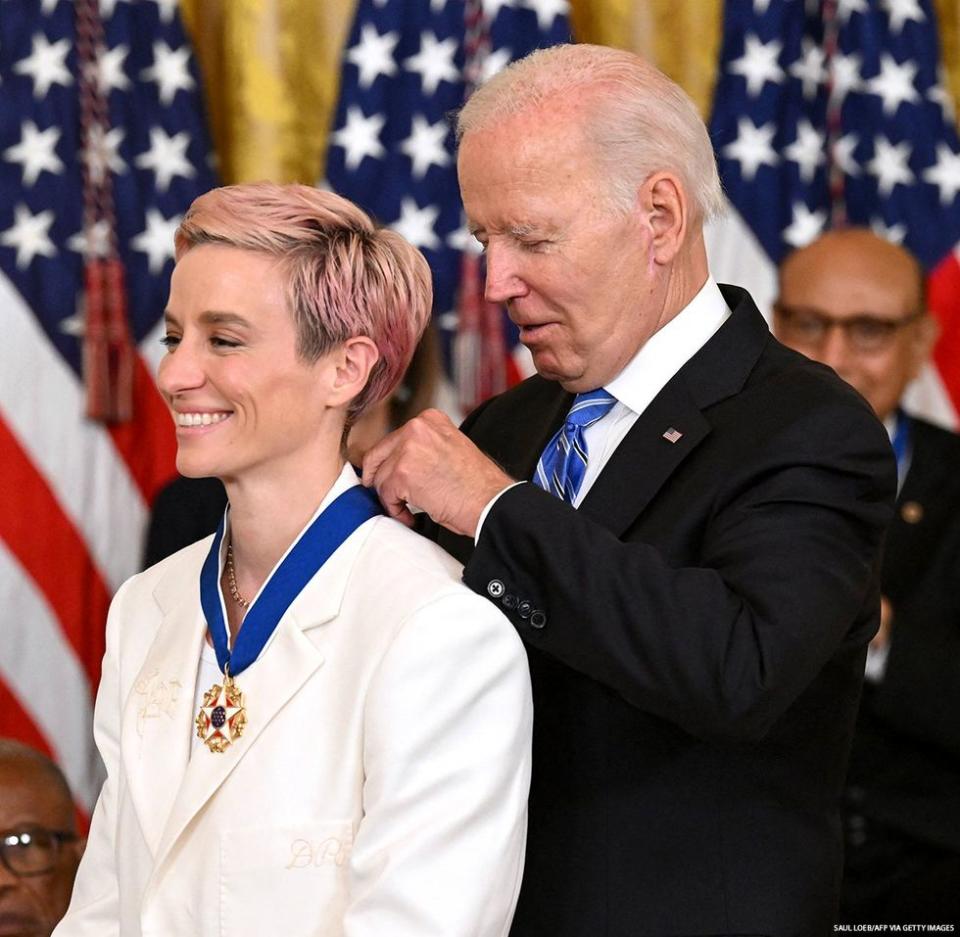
[
  {"x": 170, "y": 341},
  {"x": 219, "y": 342}
]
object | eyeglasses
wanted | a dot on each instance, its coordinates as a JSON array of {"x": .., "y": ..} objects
[
  {"x": 807, "y": 328},
  {"x": 33, "y": 851}
]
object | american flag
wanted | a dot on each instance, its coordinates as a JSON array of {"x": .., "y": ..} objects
[
  {"x": 835, "y": 111},
  {"x": 408, "y": 65},
  {"x": 74, "y": 492}
]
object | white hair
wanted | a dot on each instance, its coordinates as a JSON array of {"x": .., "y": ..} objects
[{"x": 639, "y": 121}]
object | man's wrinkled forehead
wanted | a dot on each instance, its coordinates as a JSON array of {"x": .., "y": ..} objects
[{"x": 533, "y": 138}]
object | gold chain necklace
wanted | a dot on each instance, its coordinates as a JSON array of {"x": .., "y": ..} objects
[{"x": 232, "y": 580}]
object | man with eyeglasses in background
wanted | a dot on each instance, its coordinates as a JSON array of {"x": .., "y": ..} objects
[
  {"x": 39, "y": 844},
  {"x": 856, "y": 303}
]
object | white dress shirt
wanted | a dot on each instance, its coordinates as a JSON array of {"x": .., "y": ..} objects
[{"x": 644, "y": 376}]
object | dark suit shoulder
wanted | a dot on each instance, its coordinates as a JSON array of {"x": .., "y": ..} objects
[
  {"x": 933, "y": 440},
  {"x": 782, "y": 367},
  {"x": 743, "y": 364},
  {"x": 923, "y": 544},
  {"x": 788, "y": 396},
  {"x": 934, "y": 474}
]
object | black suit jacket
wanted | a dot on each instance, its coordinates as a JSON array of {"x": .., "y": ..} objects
[
  {"x": 696, "y": 634},
  {"x": 185, "y": 510},
  {"x": 905, "y": 767}
]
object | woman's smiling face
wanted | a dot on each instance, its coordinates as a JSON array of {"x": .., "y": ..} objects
[{"x": 240, "y": 394}]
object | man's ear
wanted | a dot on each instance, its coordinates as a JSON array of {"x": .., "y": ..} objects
[
  {"x": 353, "y": 362},
  {"x": 663, "y": 206}
]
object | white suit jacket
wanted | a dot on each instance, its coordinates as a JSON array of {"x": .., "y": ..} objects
[{"x": 379, "y": 788}]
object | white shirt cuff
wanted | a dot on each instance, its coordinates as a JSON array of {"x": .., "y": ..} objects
[{"x": 486, "y": 510}]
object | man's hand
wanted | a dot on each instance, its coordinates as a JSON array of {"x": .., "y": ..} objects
[{"x": 429, "y": 463}]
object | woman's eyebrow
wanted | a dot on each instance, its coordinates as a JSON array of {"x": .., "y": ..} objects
[{"x": 215, "y": 317}]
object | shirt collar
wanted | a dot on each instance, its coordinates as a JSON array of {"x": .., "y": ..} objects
[{"x": 669, "y": 348}]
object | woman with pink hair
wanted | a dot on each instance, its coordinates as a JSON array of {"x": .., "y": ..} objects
[{"x": 309, "y": 725}]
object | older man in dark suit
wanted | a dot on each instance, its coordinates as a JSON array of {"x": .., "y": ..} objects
[
  {"x": 856, "y": 303},
  {"x": 693, "y": 565}
]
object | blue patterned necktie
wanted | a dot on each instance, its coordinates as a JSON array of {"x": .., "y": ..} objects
[{"x": 564, "y": 461}]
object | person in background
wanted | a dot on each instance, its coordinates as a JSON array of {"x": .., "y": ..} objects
[
  {"x": 39, "y": 843},
  {"x": 681, "y": 517},
  {"x": 310, "y": 727},
  {"x": 856, "y": 303},
  {"x": 187, "y": 509}
]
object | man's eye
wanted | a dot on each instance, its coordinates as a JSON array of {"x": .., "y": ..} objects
[
  {"x": 807, "y": 326},
  {"x": 870, "y": 330}
]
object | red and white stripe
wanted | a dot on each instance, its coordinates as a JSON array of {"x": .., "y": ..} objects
[{"x": 73, "y": 509}]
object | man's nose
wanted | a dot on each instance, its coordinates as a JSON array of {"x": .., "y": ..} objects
[
  {"x": 503, "y": 280},
  {"x": 835, "y": 349}
]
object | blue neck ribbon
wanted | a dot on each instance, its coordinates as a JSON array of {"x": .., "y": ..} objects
[
  {"x": 901, "y": 444},
  {"x": 313, "y": 548}
]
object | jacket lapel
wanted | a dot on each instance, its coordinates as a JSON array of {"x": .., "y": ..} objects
[
  {"x": 646, "y": 458},
  {"x": 674, "y": 424},
  {"x": 157, "y": 716}
]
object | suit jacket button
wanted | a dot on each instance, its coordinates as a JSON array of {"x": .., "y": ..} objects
[
  {"x": 524, "y": 609},
  {"x": 495, "y": 588},
  {"x": 538, "y": 619},
  {"x": 912, "y": 512},
  {"x": 510, "y": 601}
]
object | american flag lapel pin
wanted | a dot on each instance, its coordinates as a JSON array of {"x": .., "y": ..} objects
[{"x": 672, "y": 435}]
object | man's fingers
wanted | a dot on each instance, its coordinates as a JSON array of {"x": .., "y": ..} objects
[
  {"x": 426, "y": 463},
  {"x": 381, "y": 472},
  {"x": 400, "y": 512},
  {"x": 376, "y": 455},
  {"x": 393, "y": 498}
]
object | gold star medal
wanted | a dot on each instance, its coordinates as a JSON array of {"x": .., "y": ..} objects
[{"x": 222, "y": 716}]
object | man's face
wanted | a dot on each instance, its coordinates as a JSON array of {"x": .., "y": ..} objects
[
  {"x": 575, "y": 273},
  {"x": 852, "y": 301},
  {"x": 31, "y": 906}
]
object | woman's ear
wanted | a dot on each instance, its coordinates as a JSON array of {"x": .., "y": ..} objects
[{"x": 353, "y": 361}]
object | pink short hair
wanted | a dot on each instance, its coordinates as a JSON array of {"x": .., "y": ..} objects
[{"x": 346, "y": 276}]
